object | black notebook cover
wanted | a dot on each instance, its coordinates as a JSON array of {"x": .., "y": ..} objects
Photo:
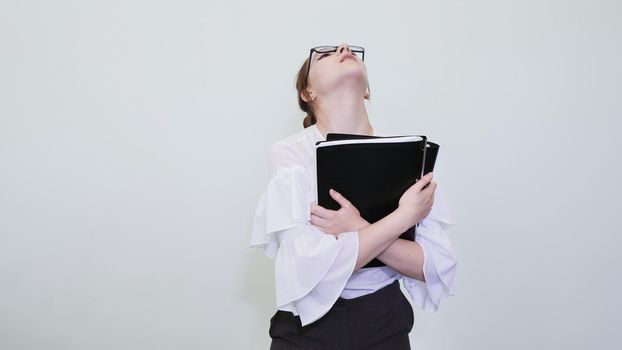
[{"x": 372, "y": 176}]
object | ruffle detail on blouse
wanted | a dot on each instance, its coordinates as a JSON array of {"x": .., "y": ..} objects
[
  {"x": 311, "y": 267},
  {"x": 440, "y": 210},
  {"x": 284, "y": 204},
  {"x": 440, "y": 264},
  {"x": 311, "y": 270}
]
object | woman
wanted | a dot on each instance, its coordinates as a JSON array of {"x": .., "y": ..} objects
[{"x": 325, "y": 298}]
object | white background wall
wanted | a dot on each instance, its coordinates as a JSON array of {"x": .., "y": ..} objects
[{"x": 133, "y": 150}]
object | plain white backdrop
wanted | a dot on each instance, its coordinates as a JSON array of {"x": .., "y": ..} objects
[{"x": 133, "y": 151}]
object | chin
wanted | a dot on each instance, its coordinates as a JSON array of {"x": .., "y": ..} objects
[{"x": 352, "y": 75}]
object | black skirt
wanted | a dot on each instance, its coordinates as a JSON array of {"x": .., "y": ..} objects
[{"x": 380, "y": 320}]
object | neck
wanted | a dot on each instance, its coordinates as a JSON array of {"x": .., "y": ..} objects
[{"x": 343, "y": 112}]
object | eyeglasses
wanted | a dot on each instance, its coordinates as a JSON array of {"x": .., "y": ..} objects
[{"x": 321, "y": 50}]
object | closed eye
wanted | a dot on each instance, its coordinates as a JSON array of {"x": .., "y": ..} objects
[{"x": 322, "y": 55}]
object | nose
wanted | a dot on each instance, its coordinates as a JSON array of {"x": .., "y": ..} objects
[{"x": 343, "y": 47}]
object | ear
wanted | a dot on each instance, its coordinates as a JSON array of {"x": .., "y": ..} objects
[
  {"x": 306, "y": 95},
  {"x": 303, "y": 96}
]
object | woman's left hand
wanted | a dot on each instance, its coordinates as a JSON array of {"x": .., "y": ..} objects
[{"x": 335, "y": 222}]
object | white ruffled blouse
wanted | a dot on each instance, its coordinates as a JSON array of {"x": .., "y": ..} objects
[{"x": 312, "y": 269}]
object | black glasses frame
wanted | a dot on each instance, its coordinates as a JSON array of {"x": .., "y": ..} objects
[{"x": 328, "y": 49}]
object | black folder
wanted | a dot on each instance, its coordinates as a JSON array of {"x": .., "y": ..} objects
[{"x": 372, "y": 172}]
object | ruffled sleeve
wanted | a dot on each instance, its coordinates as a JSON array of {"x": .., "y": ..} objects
[
  {"x": 440, "y": 263},
  {"x": 311, "y": 267}
]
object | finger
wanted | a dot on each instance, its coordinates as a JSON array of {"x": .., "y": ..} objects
[
  {"x": 429, "y": 189},
  {"x": 431, "y": 195},
  {"x": 431, "y": 186},
  {"x": 422, "y": 182},
  {"x": 322, "y": 212},
  {"x": 318, "y": 221},
  {"x": 339, "y": 198}
]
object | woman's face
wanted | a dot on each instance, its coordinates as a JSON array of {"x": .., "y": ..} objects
[{"x": 332, "y": 70}]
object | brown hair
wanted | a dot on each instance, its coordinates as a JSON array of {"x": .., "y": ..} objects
[{"x": 301, "y": 86}]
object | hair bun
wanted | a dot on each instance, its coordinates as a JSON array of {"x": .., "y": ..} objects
[{"x": 309, "y": 120}]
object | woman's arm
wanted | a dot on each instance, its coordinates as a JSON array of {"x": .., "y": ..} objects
[
  {"x": 379, "y": 236},
  {"x": 375, "y": 239},
  {"x": 405, "y": 256}
]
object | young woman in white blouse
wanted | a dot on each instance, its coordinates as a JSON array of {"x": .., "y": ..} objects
[{"x": 326, "y": 296}]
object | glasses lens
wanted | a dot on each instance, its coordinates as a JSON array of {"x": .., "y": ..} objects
[
  {"x": 357, "y": 50},
  {"x": 357, "y": 54},
  {"x": 322, "y": 49},
  {"x": 318, "y": 50}
]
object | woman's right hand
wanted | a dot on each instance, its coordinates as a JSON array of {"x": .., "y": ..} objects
[{"x": 416, "y": 202}]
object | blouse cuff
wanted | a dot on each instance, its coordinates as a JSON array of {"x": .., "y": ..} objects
[
  {"x": 439, "y": 264},
  {"x": 311, "y": 267},
  {"x": 313, "y": 283}
]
